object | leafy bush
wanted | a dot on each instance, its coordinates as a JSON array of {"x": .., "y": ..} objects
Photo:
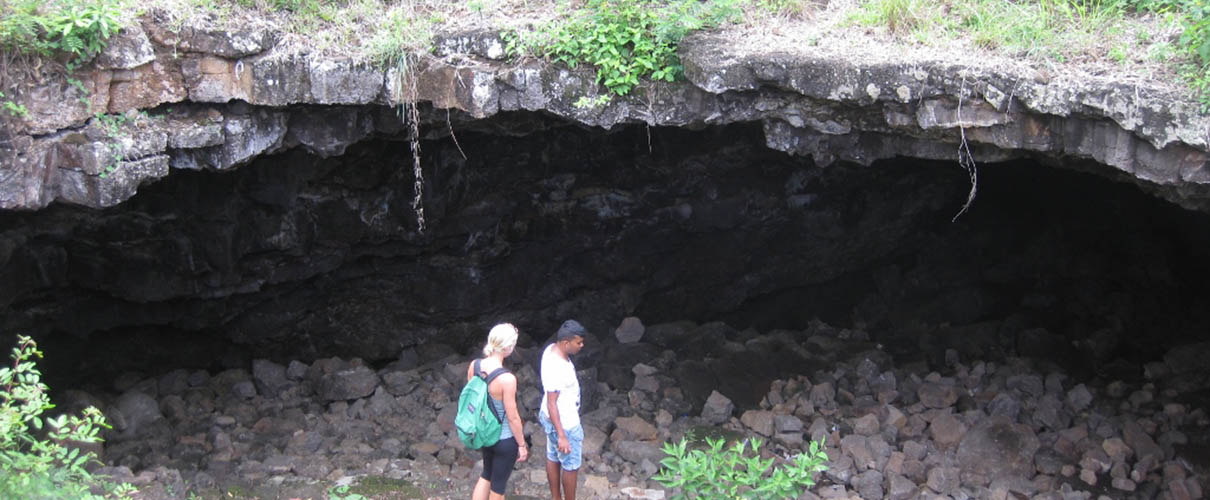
[
  {"x": 78, "y": 28},
  {"x": 1196, "y": 41},
  {"x": 718, "y": 473},
  {"x": 34, "y": 462},
  {"x": 626, "y": 40}
]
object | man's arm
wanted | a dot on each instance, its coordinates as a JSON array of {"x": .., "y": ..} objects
[{"x": 552, "y": 410}]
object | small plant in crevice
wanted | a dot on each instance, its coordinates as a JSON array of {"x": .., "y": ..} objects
[
  {"x": 477, "y": 6},
  {"x": 111, "y": 124},
  {"x": 115, "y": 159},
  {"x": 113, "y": 127},
  {"x": 13, "y": 109},
  {"x": 585, "y": 102}
]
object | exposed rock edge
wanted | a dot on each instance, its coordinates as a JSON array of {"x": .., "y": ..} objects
[{"x": 224, "y": 98}]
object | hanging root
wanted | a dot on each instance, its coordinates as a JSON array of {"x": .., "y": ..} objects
[
  {"x": 965, "y": 160},
  {"x": 452, "y": 136},
  {"x": 410, "y": 114}
]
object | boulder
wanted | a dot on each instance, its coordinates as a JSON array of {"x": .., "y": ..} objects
[
  {"x": 345, "y": 384},
  {"x": 998, "y": 447},
  {"x": 133, "y": 412},
  {"x": 638, "y": 451},
  {"x": 270, "y": 377},
  {"x": 634, "y": 428},
  {"x": 938, "y": 394},
  {"x": 946, "y": 431},
  {"x": 718, "y": 409},
  {"x": 630, "y": 331},
  {"x": 760, "y": 421}
]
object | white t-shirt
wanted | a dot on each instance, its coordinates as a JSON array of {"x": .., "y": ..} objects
[{"x": 559, "y": 374}]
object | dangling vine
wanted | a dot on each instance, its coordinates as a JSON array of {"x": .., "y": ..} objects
[
  {"x": 409, "y": 113},
  {"x": 405, "y": 33},
  {"x": 965, "y": 159}
]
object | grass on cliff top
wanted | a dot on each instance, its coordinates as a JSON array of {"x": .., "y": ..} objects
[
  {"x": 1165, "y": 42},
  {"x": 1155, "y": 39}
]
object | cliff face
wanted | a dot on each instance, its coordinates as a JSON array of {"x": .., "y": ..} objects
[
  {"x": 221, "y": 99},
  {"x": 262, "y": 203}
]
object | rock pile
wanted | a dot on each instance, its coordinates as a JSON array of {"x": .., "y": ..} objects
[{"x": 1005, "y": 429}]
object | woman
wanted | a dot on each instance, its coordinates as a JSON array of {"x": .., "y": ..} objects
[{"x": 498, "y": 459}]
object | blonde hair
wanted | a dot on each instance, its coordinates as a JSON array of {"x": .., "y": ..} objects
[{"x": 501, "y": 338}]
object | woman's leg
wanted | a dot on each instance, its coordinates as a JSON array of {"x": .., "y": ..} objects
[
  {"x": 482, "y": 491},
  {"x": 504, "y": 456},
  {"x": 483, "y": 485}
]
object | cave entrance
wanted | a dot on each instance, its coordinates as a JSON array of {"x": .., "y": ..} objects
[{"x": 296, "y": 256}]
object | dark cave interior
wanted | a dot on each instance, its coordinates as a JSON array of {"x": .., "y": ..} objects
[{"x": 300, "y": 257}]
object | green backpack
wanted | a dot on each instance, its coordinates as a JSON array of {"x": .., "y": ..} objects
[{"x": 476, "y": 421}]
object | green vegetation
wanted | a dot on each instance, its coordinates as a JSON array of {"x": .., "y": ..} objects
[
  {"x": 1195, "y": 38},
  {"x": 114, "y": 128},
  {"x": 77, "y": 28},
  {"x": 736, "y": 472},
  {"x": 342, "y": 493},
  {"x": 35, "y": 462},
  {"x": 585, "y": 102},
  {"x": 404, "y": 32},
  {"x": 630, "y": 41},
  {"x": 1061, "y": 30},
  {"x": 376, "y": 487},
  {"x": 12, "y": 108},
  {"x": 625, "y": 40}
]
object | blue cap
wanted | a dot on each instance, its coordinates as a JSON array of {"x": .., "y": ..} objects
[{"x": 570, "y": 328}]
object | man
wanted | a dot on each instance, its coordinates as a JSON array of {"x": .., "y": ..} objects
[{"x": 560, "y": 413}]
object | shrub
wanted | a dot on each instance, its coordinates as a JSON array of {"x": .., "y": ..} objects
[
  {"x": 626, "y": 40},
  {"x": 34, "y": 462},
  {"x": 78, "y": 28},
  {"x": 735, "y": 472}
]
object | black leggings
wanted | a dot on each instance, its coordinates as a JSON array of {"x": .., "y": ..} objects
[{"x": 498, "y": 461}]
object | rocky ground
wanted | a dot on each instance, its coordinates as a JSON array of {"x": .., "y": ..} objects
[{"x": 894, "y": 426}]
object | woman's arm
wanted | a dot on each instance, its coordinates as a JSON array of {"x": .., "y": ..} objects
[{"x": 508, "y": 383}]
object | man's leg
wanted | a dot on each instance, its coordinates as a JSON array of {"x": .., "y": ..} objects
[
  {"x": 552, "y": 477},
  {"x": 572, "y": 462},
  {"x": 569, "y": 484}
]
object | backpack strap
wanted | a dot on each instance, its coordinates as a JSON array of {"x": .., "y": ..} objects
[
  {"x": 496, "y": 373},
  {"x": 488, "y": 378}
]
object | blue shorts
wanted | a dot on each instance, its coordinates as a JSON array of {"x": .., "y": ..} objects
[{"x": 575, "y": 436}]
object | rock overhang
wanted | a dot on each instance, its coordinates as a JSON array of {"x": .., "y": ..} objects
[{"x": 220, "y": 99}]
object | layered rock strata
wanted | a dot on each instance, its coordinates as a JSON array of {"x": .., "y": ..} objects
[{"x": 220, "y": 99}]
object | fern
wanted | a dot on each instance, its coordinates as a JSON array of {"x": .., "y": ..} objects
[
  {"x": 19, "y": 25},
  {"x": 80, "y": 28}
]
